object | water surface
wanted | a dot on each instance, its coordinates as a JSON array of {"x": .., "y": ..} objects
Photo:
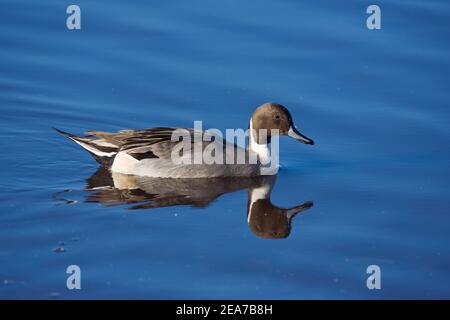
[{"x": 375, "y": 102}]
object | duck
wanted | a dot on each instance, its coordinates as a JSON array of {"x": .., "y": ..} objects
[{"x": 150, "y": 152}]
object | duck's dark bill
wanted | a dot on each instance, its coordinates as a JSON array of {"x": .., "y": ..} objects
[{"x": 293, "y": 133}]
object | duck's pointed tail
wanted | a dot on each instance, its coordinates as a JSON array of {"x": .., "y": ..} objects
[{"x": 102, "y": 151}]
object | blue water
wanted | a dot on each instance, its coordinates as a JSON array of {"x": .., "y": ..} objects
[{"x": 375, "y": 101}]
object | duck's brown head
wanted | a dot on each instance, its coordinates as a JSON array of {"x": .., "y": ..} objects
[{"x": 273, "y": 116}]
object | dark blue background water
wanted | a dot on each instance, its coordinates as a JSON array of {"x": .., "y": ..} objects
[{"x": 375, "y": 102}]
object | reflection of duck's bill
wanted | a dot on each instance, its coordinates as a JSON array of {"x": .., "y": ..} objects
[
  {"x": 291, "y": 212},
  {"x": 294, "y": 133}
]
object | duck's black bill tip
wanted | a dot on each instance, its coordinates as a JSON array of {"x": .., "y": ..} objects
[
  {"x": 308, "y": 204},
  {"x": 294, "y": 133}
]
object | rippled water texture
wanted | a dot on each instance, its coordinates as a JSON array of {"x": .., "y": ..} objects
[{"x": 376, "y": 103}]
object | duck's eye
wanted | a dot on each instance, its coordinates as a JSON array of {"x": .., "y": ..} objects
[{"x": 277, "y": 117}]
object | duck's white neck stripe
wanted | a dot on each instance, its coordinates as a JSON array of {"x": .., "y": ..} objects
[
  {"x": 260, "y": 193},
  {"x": 261, "y": 149}
]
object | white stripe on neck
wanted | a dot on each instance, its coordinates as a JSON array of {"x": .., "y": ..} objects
[
  {"x": 260, "y": 193},
  {"x": 261, "y": 149}
]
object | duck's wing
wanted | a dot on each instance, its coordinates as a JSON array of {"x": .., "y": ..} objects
[
  {"x": 127, "y": 139},
  {"x": 153, "y": 143},
  {"x": 160, "y": 143},
  {"x": 140, "y": 144}
]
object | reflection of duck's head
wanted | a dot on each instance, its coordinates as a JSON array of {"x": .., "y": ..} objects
[{"x": 266, "y": 220}]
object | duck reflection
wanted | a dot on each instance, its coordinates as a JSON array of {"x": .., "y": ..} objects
[{"x": 264, "y": 219}]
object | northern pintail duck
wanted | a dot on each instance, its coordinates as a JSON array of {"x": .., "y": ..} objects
[{"x": 149, "y": 152}]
